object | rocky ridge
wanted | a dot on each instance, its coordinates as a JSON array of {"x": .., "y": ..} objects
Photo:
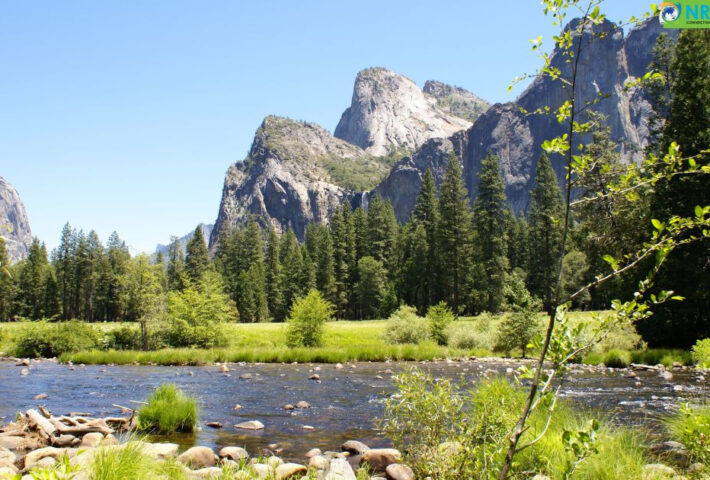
[
  {"x": 14, "y": 225},
  {"x": 605, "y": 65},
  {"x": 390, "y": 113}
]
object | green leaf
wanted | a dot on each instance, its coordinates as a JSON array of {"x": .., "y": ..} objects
[
  {"x": 698, "y": 211},
  {"x": 657, "y": 224}
]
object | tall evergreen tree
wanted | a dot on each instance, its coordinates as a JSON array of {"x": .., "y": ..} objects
[
  {"x": 546, "y": 216},
  {"x": 32, "y": 281},
  {"x": 6, "y": 284},
  {"x": 177, "y": 277},
  {"x": 454, "y": 237},
  {"x": 518, "y": 243},
  {"x": 291, "y": 273},
  {"x": 64, "y": 268},
  {"x": 272, "y": 275},
  {"x": 196, "y": 258},
  {"x": 118, "y": 258},
  {"x": 344, "y": 260},
  {"x": 426, "y": 213},
  {"x": 490, "y": 214},
  {"x": 381, "y": 232},
  {"x": 687, "y": 270}
]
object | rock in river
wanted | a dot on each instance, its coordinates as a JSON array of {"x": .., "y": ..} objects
[
  {"x": 198, "y": 457},
  {"x": 250, "y": 425}
]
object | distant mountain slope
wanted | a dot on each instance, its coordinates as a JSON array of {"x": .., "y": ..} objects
[
  {"x": 14, "y": 225},
  {"x": 182, "y": 241}
]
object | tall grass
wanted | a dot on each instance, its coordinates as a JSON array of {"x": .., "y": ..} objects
[
  {"x": 128, "y": 462},
  {"x": 168, "y": 410},
  {"x": 691, "y": 427}
]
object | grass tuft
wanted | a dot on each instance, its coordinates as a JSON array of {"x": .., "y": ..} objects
[{"x": 168, "y": 410}]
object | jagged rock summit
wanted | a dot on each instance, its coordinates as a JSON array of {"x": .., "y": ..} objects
[
  {"x": 295, "y": 173},
  {"x": 605, "y": 65},
  {"x": 14, "y": 225},
  {"x": 390, "y": 113}
]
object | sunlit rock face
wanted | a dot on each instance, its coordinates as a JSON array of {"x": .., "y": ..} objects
[{"x": 14, "y": 225}]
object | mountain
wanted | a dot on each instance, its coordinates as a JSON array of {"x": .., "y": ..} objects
[
  {"x": 14, "y": 226},
  {"x": 390, "y": 113},
  {"x": 182, "y": 241},
  {"x": 295, "y": 173},
  {"x": 456, "y": 100},
  {"x": 605, "y": 65}
]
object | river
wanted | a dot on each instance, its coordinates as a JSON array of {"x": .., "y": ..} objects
[{"x": 344, "y": 402}]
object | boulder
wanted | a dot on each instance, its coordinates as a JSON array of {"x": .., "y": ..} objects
[
  {"x": 339, "y": 469},
  {"x": 233, "y": 453},
  {"x": 354, "y": 447},
  {"x": 198, "y": 457},
  {"x": 91, "y": 440},
  {"x": 261, "y": 470},
  {"x": 313, "y": 452},
  {"x": 654, "y": 470},
  {"x": 274, "y": 461},
  {"x": 32, "y": 458},
  {"x": 250, "y": 425},
  {"x": 696, "y": 468},
  {"x": 398, "y": 471},
  {"x": 289, "y": 470},
  {"x": 380, "y": 458},
  {"x": 160, "y": 451},
  {"x": 6, "y": 456},
  {"x": 319, "y": 462},
  {"x": 303, "y": 404},
  {"x": 109, "y": 440},
  {"x": 209, "y": 472}
]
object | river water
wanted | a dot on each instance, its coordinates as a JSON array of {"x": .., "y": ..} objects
[{"x": 344, "y": 402}]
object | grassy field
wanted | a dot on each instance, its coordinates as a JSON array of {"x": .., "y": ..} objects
[{"x": 343, "y": 341}]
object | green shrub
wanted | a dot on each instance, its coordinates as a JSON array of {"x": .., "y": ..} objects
[
  {"x": 124, "y": 338},
  {"x": 617, "y": 359},
  {"x": 664, "y": 356},
  {"x": 477, "y": 335},
  {"x": 405, "y": 326},
  {"x": 593, "y": 358},
  {"x": 517, "y": 330},
  {"x": 196, "y": 313},
  {"x": 307, "y": 319},
  {"x": 691, "y": 427},
  {"x": 701, "y": 353},
  {"x": 440, "y": 316},
  {"x": 168, "y": 410},
  {"x": 47, "y": 340}
]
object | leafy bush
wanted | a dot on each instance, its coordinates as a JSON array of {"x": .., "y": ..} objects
[
  {"x": 459, "y": 434},
  {"x": 48, "y": 340},
  {"x": 124, "y": 338},
  {"x": 195, "y": 315},
  {"x": 664, "y": 356},
  {"x": 405, "y": 326},
  {"x": 307, "y": 319},
  {"x": 440, "y": 316},
  {"x": 691, "y": 427},
  {"x": 168, "y": 410},
  {"x": 617, "y": 359},
  {"x": 701, "y": 353},
  {"x": 480, "y": 334},
  {"x": 517, "y": 330}
]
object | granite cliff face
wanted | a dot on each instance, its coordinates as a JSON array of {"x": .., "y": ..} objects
[
  {"x": 14, "y": 226},
  {"x": 604, "y": 66},
  {"x": 389, "y": 113},
  {"x": 295, "y": 173}
]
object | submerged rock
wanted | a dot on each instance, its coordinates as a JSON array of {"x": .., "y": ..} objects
[{"x": 250, "y": 425}]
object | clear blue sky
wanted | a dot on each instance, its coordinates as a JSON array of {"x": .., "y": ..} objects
[{"x": 124, "y": 115}]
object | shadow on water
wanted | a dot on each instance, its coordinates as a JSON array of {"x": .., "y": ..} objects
[{"x": 344, "y": 404}]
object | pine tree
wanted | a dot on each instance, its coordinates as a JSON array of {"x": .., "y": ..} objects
[
  {"x": 177, "y": 277},
  {"x": 325, "y": 266},
  {"x": 371, "y": 288},
  {"x": 272, "y": 276},
  {"x": 6, "y": 283},
  {"x": 426, "y": 213},
  {"x": 381, "y": 233},
  {"x": 64, "y": 268},
  {"x": 518, "y": 242},
  {"x": 490, "y": 214},
  {"x": 413, "y": 282},
  {"x": 546, "y": 216},
  {"x": 291, "y": 273},
  {"x": 196, "y": 257},
  {"x": 454, "y": 237},
  {"x": 118, "y": 258},
  {"x": 342, "y": 231},
  {"x": 32, "y": 281},
  {"x": 679, "y": 324}
]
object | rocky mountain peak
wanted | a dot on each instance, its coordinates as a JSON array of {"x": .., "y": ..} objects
[
  {"x": 390, "y": 113},
  {"x": 14, "y": 225},
  {"x": 456, "y": 100}
]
